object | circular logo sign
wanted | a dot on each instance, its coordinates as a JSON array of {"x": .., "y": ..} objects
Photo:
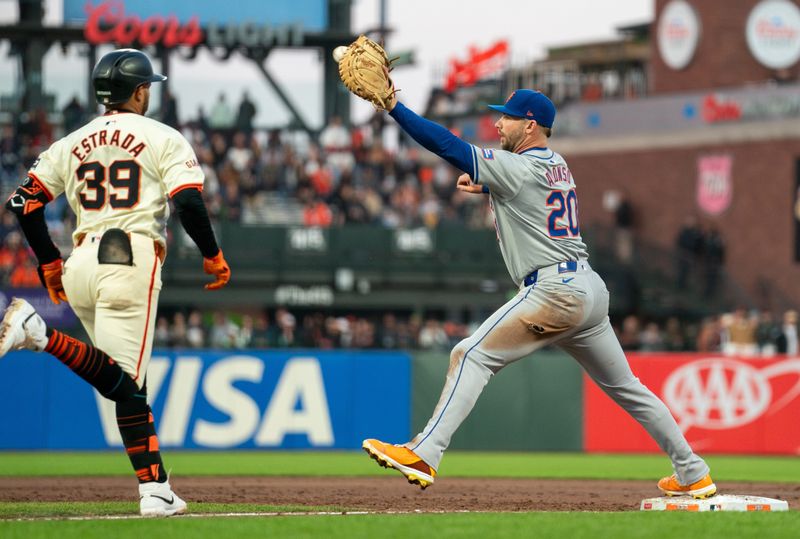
[
  {"x": 678, "y": 34},
  {"x": 717, "y": 394},
  {"x": 773, "y": 33}
]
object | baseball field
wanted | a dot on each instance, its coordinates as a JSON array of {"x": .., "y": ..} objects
[{"x": 344, "y": 494}]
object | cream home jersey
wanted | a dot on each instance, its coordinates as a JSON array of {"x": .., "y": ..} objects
[
  {"x": 117, "y": 172},
  {"x": 535, "y": 207}
]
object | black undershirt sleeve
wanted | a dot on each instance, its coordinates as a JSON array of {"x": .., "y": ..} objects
[
  {"x": 192, "y": 212},
  {"x": 34, "y": 227}
]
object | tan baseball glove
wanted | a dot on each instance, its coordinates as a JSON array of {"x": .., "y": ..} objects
[{"x": 364, "y": 69}]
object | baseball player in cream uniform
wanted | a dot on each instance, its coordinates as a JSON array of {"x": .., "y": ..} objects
[
  {"x": 117, "y": 172},
  {"x": 561, "y": 300}
]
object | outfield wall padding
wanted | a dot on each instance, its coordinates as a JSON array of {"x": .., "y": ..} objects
[{"x": 534, "y": 404}]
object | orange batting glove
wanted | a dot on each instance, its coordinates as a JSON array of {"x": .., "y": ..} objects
[
  {"x": 219, "y": 268},
  {"x": 50, "y": 275}
]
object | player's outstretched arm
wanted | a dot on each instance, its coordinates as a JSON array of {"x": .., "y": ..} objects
[
  {"x": 194, "y": 218},
  {"x": 27, "y": 203},
  {"x": 364, "y": 69},
  {"x": 435, "y": 138}
]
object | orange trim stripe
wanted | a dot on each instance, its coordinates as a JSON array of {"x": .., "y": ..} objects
[
  {"x": 147, "y": 319},
  {"x": 41, "y": 184},
  {"x": 61, "y": 347},
  {"x": 198, "y": 186},
  {"x": 131, "y": 417},
  {"x": 52, "y": 343},
  {"x": 98, "y": 364}
]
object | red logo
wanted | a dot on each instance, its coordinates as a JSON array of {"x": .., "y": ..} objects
[
  {"x": 717, "y": 108},
  {"x": 107, "y": 23},
  {"x": 775, "y": 30},
  {"x": 714, "y": 183},
  {"x": 723, "y": 393},
  {"x": 480, "y": 64}
]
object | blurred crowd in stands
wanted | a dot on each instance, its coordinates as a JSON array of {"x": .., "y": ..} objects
[
  {"x": 283, "y": 329},
  {"x": 346, "y": 175},
  {"x": 740, "y": 333}
]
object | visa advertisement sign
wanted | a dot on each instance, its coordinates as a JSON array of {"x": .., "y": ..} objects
[{"x": 217, "y": 400}]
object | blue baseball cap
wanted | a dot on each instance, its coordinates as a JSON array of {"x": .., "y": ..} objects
[{"x": 529, "y": 104}]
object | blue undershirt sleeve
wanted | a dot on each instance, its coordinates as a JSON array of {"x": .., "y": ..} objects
[{"x": 436, "y": 138}]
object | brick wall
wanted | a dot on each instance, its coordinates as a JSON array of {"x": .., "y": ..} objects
[
  {"x": 758, "y": 227},
  {"x": 722, "y": 57}
]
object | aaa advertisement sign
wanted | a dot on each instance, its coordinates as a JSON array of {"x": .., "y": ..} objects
[{"x": 722, "y": 404}]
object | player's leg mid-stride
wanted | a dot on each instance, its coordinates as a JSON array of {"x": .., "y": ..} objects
[
  {"x": 402, "y": 459},
  {"x": 23, "y": 329}
]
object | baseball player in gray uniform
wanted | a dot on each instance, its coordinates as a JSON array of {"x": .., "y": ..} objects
[
  {"x": 561, "y": 300},
  {"x": 117, "y": 172}
]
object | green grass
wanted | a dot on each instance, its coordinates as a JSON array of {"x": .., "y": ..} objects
[
  {"x": 631, "y": 524},
  {"x": 572, "y": 525},
  {"x": 355, "y": 463}
]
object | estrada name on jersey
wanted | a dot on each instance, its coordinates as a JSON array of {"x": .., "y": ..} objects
[
  {"x": 535, "y": 207},
  {"x": 117, "y": 172}
]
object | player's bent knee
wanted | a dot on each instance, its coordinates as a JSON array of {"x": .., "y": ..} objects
[
  {"x": 114, "y": 383},
  {"x": 123, "y": 390},
  {"x": 457, "y": 354}
]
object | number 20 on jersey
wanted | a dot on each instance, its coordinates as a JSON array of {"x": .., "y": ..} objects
[{"x": 563, "y": 219}]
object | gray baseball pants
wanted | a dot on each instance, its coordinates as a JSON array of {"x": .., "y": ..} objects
[{"x": 569, "y": 310}]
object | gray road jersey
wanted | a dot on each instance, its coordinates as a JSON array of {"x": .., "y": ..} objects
[{"x": 535, "y": 207}]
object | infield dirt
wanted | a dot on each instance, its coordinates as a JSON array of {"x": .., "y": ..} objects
[{"x": 390, "y": 493}]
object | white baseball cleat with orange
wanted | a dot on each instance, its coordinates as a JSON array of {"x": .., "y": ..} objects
[
  {"x": 704, "y": 488},
  {"x": 402, "y": 459},
  {"x": 22, "y": 327}
]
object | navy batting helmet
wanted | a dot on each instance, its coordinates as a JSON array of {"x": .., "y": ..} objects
[{"x": 119, "y": 73}]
